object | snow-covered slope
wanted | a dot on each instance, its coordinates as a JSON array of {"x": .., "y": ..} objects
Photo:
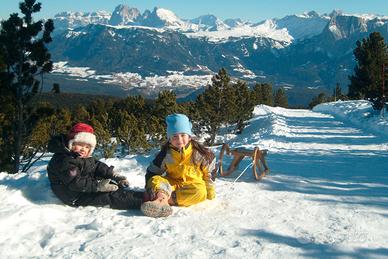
[
  {"x": 209, "y": 23},
  {"x": 304, "y": 25},
  {"x": 163, "y": 18},
  {"x": 267, "y": 29},
  {"x": 66, "y": 20},
  {"x": 326, "y": 197}
]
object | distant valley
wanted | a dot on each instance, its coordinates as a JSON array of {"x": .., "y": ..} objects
[{"x": 126, "y": 52}]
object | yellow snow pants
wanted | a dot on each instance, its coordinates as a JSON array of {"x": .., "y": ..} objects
[{"x": 187, "y": 193}]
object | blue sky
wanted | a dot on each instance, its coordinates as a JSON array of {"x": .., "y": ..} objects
[{"x": 250, "y": 10}]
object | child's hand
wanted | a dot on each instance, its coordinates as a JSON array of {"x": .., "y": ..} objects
[
  {"x": 124, "y": 183},
  {"x": 211, "y": 192},
  {"x": 161, "y": 196},
  {"x": 106, "y": 186},
  {"x": 120, "y": 180}
]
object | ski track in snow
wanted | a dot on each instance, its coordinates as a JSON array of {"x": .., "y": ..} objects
[{"x": 326, "y": 196}]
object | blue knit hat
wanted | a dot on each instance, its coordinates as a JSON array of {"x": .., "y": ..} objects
[{"x": 178, "y": 123}]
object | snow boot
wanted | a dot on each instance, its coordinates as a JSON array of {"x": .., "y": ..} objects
[{"x": 156, "y": 209}]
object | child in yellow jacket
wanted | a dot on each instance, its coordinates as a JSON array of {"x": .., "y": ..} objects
[{"x": 181, "y": 173}]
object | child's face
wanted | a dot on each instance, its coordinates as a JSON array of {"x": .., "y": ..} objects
[
  {"x": 180, "y": 140},
  {"x": 82, "y": 149}
]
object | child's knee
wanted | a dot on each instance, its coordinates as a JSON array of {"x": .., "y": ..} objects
[
  {"x": 190, "y": 195},
  {"x": 159, "y": 183}
]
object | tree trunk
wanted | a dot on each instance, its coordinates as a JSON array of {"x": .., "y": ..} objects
[{"x": 18, "y": 129}]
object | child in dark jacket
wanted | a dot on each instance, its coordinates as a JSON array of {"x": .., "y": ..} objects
[{"x": 78, "y": 179}]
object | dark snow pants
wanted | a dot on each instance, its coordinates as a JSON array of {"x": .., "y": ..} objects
[{"x": 122, "y": 199}]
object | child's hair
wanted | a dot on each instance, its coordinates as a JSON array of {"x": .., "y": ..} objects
[
  {"x": 198, "y": 147},
  {"x": 207, "y": 153}
]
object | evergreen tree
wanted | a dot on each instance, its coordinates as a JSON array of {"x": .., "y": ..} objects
[
  {"x": 262, "y": 94},
  {"x": 156, "y": 131},
  {"x": 56, "y": 89},
  {"x": 321, "y": 98},
  {"x": 131, "y": 134},
  {"x": 280, "y": 98},
  {"x": 22, "y": 44},
  {"x": 370, "y": 54},
  {"x": 165, "y": 104},
  {"x": 267, "y": 96},
  {"x": 337, "y": 94},
  {"x": 49, "y": 123},
  {"x": 135, "y": 105},
  {"x": 222, "y": 104},
  {"x": 80, "y": 114},
  {"x": 211, "y": 106},
  {"x": 103, "y": 135},
  {"x": 193, "y": 113},
  {"x": 6, "y": 113},
  {"x": 257, "y": 94},
  {"x": 244, "y": 106}
]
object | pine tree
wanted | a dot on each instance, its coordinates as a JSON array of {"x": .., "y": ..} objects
[
  {"x": 211, "y": 106},
  {"x": 80, "y": 114},
  {"x": 103, "y": 135},
  {"x": 370, "y": 54},
  {"x": 135, "y": 105},
  {"x": 280, "y": 98},
  {"x": 99, "y": 111},
  {"x": 131, "y": 134},
  {"x": 156, "y": 131},
  {"x": 262, "y": 94},
  {"x": 321, "y": 98},
  {"x": 6, "y": 112},
  {"x": 49, "y": 123},
  {"x": 256, "y": 94},
  {"x": 244, "y": 106},
  {"x": 23, "y": 48},
  {"x": 337, "y": 94},
  {"x": 165, "y": 104},
  {"x": 267, "y": 96},
  {"x": 56, "y": 89}
]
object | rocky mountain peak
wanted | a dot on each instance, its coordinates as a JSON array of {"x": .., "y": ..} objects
[
  {"x": 124, "y": 15},
  {"x": 343, "y": 26}
]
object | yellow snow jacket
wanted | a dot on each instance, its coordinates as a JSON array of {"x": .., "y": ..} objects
[{"x": 185, "y": 171}]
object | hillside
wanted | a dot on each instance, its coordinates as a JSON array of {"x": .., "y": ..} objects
[{"x": 326, "y": 196}]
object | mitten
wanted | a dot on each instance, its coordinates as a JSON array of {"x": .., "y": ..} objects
[
  {"x": 120, "y": 180},
  {"x": 211, "y": 191},
  {"x": 106, "y": 186}
]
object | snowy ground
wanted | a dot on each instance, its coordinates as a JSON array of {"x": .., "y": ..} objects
[
  {"x": 128, "y": 80},
  {"x": 326, "y": 196}
]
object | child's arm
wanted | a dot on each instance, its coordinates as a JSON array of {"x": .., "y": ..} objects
[
  {"x": 103, "y": 170},
  {"x": 69, "y": 174},
  {"x": 156, "y": 167},
  {"x": 207, "y": 169},
  {"x": 106, "y": 172}
]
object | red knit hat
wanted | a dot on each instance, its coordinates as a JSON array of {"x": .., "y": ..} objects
[{"x": 83, "y": 133}]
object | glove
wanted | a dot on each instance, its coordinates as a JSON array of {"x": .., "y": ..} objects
[
  {"x": 106, "y": 186},
  {"x": 211, "y": 192},
  {"x": 120, "y": 180}
]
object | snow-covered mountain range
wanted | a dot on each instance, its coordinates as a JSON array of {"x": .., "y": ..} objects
[
  {"x": 294, "y": 27},
  {"x": 290, "y": 27},
  {"x": 309, "y": 50}
]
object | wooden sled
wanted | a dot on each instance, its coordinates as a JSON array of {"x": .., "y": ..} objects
[{"x": 259, "y": 165}]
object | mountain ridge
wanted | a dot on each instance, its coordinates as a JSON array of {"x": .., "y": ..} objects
[{"x": 297, "y": 51}]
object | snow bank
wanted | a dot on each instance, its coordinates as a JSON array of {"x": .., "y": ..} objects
[{"x": 359, "y": 113}]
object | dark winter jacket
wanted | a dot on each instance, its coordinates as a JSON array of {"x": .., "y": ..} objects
[{"x": 70, "y": 175}]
